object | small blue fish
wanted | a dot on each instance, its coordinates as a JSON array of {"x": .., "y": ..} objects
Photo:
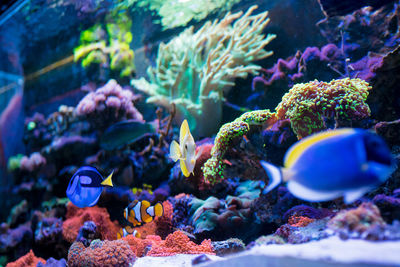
[
  {"x": 344, "y": 162},
  {"x": 85, "y": 187}
]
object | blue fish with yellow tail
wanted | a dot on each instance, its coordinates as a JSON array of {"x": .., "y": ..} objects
[
  {"x": 140, "y": 212},
  {"x": 85, "y": 187},
  {"x": 344, "y": 162}
]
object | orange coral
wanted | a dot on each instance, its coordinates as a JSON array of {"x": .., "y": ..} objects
[
  {"x": 299, "y": 221},
  {"x": 160, "y": 225},
  {"x": 175, "y": 243},
  {"x": 77, "y": 216},
  {"x": 101, "y": 253},
  {"x": 28, "y": 260}
]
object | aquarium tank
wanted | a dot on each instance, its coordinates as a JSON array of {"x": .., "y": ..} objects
[{"x": 199, "y": 133}]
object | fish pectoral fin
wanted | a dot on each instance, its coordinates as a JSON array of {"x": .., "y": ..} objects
[
  {"x": 175, "y": 151},
  {"x": 274, "y": 175},
  {"x": 184, "y": 168},
  {"x": 351, "y": 196},
  {"x": 305, "y": 193},
  {"x": 108, "y": 181},
  {"x": 199, "y": 152}
]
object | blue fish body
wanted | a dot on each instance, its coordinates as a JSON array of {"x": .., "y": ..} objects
[
  {"x": 324, "y": 166},
  {"x": 84, "y": 188}
]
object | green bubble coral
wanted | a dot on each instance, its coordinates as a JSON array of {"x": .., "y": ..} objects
[
  {"x": 307, "y": 104},
  {"x": 14, "y": 162}
]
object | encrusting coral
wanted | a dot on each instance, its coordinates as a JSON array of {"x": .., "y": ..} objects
[
  {"x": 29, "y": 260},
  {"x": 194, "y": 70},
  {"x": 101, "y": 253},
  {"x": 76, "y": 217}
]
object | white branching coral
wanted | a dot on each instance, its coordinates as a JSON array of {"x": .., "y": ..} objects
[{"x": 193, "y": 70}]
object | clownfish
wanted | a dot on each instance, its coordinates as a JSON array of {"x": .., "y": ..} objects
[
  {"x": 324, "y": 166},
  {"x": 139, "y": 212},
  {"x": 124, "y": 232},
  {"x": 185, "y": 151}
]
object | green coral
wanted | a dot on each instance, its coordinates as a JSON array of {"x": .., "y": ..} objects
[
  {"x": 178, "y": 13},
  {"x": 110, "y": 47},
  {"x": 307, "y": 104},
  {"x": 14, "y": 162},
  {"x": 195, "y": 69},
  {"x": 214, "y": 166}
]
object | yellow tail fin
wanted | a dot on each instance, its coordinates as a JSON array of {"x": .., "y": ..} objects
[
  {"x": 158, "y": 209},
  {"x": 175, "y": 151},
  {"x": 108, "y": 181}
]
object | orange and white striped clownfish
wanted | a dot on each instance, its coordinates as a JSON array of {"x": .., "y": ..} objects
[
  {"x": 139, "y": 212},
  {"x": 124, "y": 232}
]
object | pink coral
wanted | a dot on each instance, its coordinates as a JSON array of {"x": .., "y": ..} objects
[
  {"x": 32, "y": 163},
  {"x": 175, "y": 243},
  {"x": 76, "y": 217},
  {"x": 108, "y": 104},
  {"x": 101, "y": 253},
  {"x": 299, "y": 221},
  {"x": 28, "y": 260}
]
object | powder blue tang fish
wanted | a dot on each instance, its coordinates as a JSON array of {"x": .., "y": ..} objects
[
  {"x": 85, "y": 187},
  {"x": 344, "y": 162}
]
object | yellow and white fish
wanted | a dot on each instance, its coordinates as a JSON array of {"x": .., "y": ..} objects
[
  {"x": 139, "y": 212},
  {"x": 185, "y": 151},
  {"x": 124, "y": 232}
]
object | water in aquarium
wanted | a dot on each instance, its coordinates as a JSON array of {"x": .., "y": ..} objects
[{"x": 199, "y": 133}]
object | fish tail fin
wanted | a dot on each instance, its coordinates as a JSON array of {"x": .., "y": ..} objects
[
  {"x": 158, "y": 209},
  {"x": 108, "y": 181},
  {"x": 175, "y": 151},
  {"x": 274, "y": 174}
]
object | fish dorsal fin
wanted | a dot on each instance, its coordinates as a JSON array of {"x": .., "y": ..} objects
[
  {"x": 175, "y": 151},
  {"x": 294, "y": 153},
  {"x": 302, "y": 192},
  {"x": 184, "y": 131},
  {"x": 274, "y": 175},
  {"x": 108, "y": 181},
  {"x": 184, "y": 168}
]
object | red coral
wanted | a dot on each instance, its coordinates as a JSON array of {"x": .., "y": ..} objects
[
  {"x": 76, "y": 217},
  {"x": 299, "y": 221},
  {"x": 175, "y": 243},
  {"x": 161, "y": 225},
  {"x": 101, "y": 253},
  {"x": 28, "y": 260}
]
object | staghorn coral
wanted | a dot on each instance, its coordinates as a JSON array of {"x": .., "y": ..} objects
[
  {"x": 76, "y": 218},
  {"x": 306, "y": 105},
  {"x": 195, "y": 69},
  {"x": 175, "y": 243},
  {"x": 228, "y": 133},
  {"x": 108, "y": 104},
  {"x": 29, "y": 260},
  {"x": 101, "y": 253}
]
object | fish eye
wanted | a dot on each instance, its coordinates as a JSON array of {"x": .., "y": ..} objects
[{"x": 186, "y": 146}]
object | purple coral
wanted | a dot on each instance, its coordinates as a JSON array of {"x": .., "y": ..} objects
[
  {"x": 32, "y": 163},
  {"x": 108, "y": 104},
  {"x": 87, "y": 233}
]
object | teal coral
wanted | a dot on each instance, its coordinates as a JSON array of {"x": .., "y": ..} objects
[
  {"x": 194, "y": 70},
  {"x": 306, "y": 104},
  {"x": 176, "y": 13},
  {"x": 108, "y": 47},
  {"x": 214, "y": 167},
  {"x": 101, "y": 253}
]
